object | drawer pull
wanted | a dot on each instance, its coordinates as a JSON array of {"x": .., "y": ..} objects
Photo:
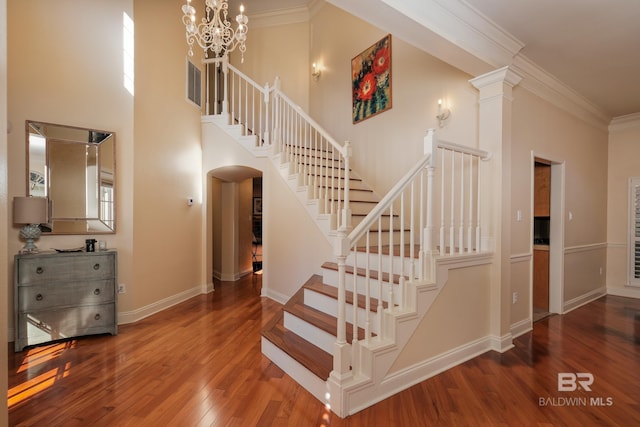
[
  {"x": 39, "y": 297},
  {"x": 96, "y": 292},
  {"x": 97, "y": 316},
  {"x": 39, "y": 270},
  {"x": 96, "y": 266}
]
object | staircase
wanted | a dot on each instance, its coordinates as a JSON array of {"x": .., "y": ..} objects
[{"x": 341, "y": 332}]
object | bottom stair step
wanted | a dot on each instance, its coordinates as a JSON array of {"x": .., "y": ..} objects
[{"x": 311, "y": 357}]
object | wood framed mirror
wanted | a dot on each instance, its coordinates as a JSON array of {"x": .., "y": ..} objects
[{"x": 75, "y": 169}]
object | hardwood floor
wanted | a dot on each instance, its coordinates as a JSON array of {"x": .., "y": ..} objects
[{"x": 199, "y": 364}]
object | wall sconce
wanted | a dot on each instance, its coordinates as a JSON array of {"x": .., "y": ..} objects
[
  {"x": 443, "y": 113},
  {"x": 31, "y": 211},
  {"x": 315, "y": 72}
]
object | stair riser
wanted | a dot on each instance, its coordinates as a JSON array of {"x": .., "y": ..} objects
[
  {"x": 309, "y": 332},
  {"x": 314, "y": 385},
  {"x": 385, "y": 221},
  {"x": 367, "y": 199},
  {"x": 358, "y": 188},
  {"x": 383, "y": 262},
  {"x": 329, "y": 306},
  {"x": 330, "y": 277},
  {"x": 331, "y": 169}
]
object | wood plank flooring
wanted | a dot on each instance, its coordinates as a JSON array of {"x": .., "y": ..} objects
[{"x": 199, "y": 364}]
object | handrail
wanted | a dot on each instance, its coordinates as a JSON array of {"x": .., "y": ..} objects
[
  {"x": 483, "y": 155},
  {"x": 388, "y": 199},
  {"x": 341, "y": 148}
]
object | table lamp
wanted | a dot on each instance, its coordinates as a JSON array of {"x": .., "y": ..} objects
[{"x": 31, "y": 211}]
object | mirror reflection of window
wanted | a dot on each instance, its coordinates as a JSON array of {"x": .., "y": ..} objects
[{"x": 37, "y": 162}]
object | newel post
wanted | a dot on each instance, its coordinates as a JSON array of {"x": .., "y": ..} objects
[
  {"x": 341, "y": 349},
  {"x": 341, "y": 362}
]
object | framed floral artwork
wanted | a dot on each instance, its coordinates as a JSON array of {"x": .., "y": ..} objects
[{"x": 371, "y": 80}]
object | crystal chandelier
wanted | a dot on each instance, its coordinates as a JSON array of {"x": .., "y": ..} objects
[{"x": 214, "y": 33}]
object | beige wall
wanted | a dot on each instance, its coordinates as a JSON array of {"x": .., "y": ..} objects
[
  {"x": 167, "y": 169},
  {"x": 4, "y": 274},
  {"x": 232, "y": 236},
  {"x": 278, "y": 51},
  {"x": 73, "y": 75},
  {"x": 215, "y": 208},
  {"x": 624, "y": 152},
  {"x": 540, "y": 129},
  {"x": 457, "y": 317},
  {"x": 294, "y": 247},
  {"x": 55, "y": 82},
  {"x": 388, "y": 144}
]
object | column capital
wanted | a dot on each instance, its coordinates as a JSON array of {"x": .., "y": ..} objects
[{"x": 505, "y": 75}]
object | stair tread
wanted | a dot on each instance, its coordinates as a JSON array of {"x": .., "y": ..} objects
[
  {"x": 317, "y": 318},
  {"x": 316, "y": 284},
  {"x": 363, "y": 272},
  {"x": 316, "y": 360}
]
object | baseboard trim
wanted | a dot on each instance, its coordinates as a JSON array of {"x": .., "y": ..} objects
[
  {"x": 521, "y": 327},
  {"x": 156, "y": 307},
  {"x": 583, "y": 299},
  {"x": 276, "y": 296},
  {"x": 627, "y": 292},
  {"x": 410, "y": 376},
  {"x": 501, "y": 344}
]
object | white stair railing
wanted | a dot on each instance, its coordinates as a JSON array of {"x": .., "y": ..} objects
[
  {"x": 319, "y": 161},
  {"x": 401, "y": 229},
  {"x": 232, "y": 94},
  {"x": 395, "y": 244}
]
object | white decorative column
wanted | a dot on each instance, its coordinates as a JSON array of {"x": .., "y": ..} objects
[{"x": 495, "y": 106}]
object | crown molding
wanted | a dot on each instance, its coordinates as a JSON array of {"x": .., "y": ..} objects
[
  {"x": 462, "y": 25},
  {"x": 280, "y": 17},
  {"x": 469, "y": 29},
  {"x": 628, "y": 121},
  {"x": 546, "y": 86}
]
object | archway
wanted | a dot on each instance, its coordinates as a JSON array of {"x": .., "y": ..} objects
[{"x": 234, "y": 200}]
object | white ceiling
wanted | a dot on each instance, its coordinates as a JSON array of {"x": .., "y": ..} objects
[{"x": 589, "y": 45}]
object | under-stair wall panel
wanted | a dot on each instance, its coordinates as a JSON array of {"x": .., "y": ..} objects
[{"x": 293, "y": 244}]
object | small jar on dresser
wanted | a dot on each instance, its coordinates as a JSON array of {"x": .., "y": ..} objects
[{"x": 64, "y": 295}]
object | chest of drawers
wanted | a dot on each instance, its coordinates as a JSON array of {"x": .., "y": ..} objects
[{"x": 64, "y": 295}]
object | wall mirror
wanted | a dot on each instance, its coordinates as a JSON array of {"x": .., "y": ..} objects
[{"x": 75, "y": 168}]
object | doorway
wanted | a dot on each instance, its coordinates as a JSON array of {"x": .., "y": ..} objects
[
  {"x": 541, "y": 238},
  {"x": 548, "y": 241},
  {"x": 234, "y": 222}
]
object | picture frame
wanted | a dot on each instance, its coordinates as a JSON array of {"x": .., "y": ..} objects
[
  {"x": 257, "y": 205},
  {"x": 371, "y": 80}
]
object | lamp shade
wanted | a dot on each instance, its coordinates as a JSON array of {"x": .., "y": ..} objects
[{"x": 30, "y": 210}]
